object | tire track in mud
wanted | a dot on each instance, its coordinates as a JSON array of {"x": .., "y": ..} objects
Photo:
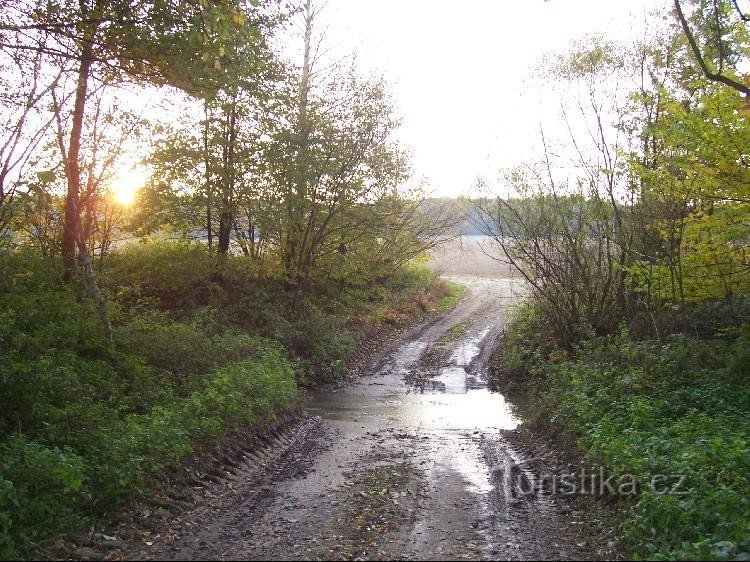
[{"x": 232, "y": 490}]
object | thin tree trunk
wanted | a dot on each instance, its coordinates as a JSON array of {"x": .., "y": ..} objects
[
  {"x": 226, "y": 219},
  {"x": 207, "y": 176},
  {"x": 298, "y": 195},
  {"x": 225, "y": 228},
  {"x": 72, "y": 221},
  {"x": 74, "y": 235}
]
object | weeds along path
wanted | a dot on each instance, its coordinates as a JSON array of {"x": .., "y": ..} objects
[{"x": 408, "y": 462}]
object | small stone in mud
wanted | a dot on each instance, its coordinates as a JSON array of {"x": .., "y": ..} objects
[
  {"x": 87, "y": 553},
  {"x": 108, "y": 544}
]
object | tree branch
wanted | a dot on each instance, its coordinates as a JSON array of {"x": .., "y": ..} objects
[{"x": 713, "y": 76}]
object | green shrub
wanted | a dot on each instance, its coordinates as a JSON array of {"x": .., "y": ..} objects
[
  {"x": 251, "y": 391},
  {"x": 173, "y": 276},
  {"x": 41, "y": 492},
  {"x": 52, "y": 350},
  {"x": 455, "y": 292},
  {"x": 320, "y": 346},
  {"x": 181, "y": 350},
  {"x": 47, "y": 490},
  {"x": 412, "y": 277},
  {"x": 676, "y": 406}
]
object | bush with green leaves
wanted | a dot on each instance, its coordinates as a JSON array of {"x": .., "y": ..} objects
[
  {"x": 321, "y": 346},
  {"x": 675, "y": 406},
  {"x": 42, "y": 491},
  {"x": 181, "y": 350},
  {"x": 111, "y": 451},
  {"x": 83, "y": 427},
  {"x": 178, "y": 277},
  {"x": 140, "y": 446}
]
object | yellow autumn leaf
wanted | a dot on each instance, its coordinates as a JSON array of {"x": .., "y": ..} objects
[{"x": 238, "y": 18}]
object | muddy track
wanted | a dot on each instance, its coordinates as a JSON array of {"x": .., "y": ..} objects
[
  {"x": 238, "y": 483},
  {"x": 415, "y": 459}
]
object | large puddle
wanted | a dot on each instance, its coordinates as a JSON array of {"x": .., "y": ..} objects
[
  {"x": 446, "y": 403},
  {"x": 454, "y": 407}
]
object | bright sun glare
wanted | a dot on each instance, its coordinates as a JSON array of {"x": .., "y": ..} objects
[{"x": 125, "y": 185}]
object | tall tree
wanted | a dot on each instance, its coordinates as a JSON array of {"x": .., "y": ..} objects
[
  {"x": 331, "y": 152},
  {"x": 100, "y": 43}
]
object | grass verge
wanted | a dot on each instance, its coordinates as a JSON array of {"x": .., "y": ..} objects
[
  {"x": 669, "y": 413},
  {"x": 449, "y": 301}
]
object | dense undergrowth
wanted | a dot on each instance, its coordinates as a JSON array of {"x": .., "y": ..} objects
[
  {"x": 201, "y": 347},
  {"x": 675, "y": 406}
]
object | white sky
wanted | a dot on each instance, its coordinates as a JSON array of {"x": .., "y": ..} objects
[{"x": 460, "y": 71}]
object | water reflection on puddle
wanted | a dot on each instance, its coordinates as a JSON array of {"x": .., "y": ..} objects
[
  {"x": 474, "y": 409},
  {"x": 462, "y": 454},
  {"x": 447, "y": 407},
  {"x": 451, "y": 379},
  {"x": 467, "y": 351},
  {"x": 407, "y": 354},
  {"x": 453, "y": 421}
]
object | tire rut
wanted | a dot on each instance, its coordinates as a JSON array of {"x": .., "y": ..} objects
[{"x": 231, "y": 491}]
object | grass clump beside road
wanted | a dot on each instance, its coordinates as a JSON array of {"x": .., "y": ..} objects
[
  {"x": 449, "y": 301},
  {"x": 673, "y": 408},
  {"x": 453, "y": 334}
]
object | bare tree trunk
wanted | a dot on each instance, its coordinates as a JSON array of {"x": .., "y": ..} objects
[
  {"x": 226, "y": 218},
  {"x": 74, "y": 235},
  {"x": 298, "y": 195},
  {"x": 225, "y": 228},
  {"x": 72, "y": 221},
  {"x": 251, "y": 235},
  {"x": 304, "y": 89},
  {"x": 207, "y": 176}
]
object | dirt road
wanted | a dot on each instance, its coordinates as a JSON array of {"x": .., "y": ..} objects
[{"x": 408, "y": 462}]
